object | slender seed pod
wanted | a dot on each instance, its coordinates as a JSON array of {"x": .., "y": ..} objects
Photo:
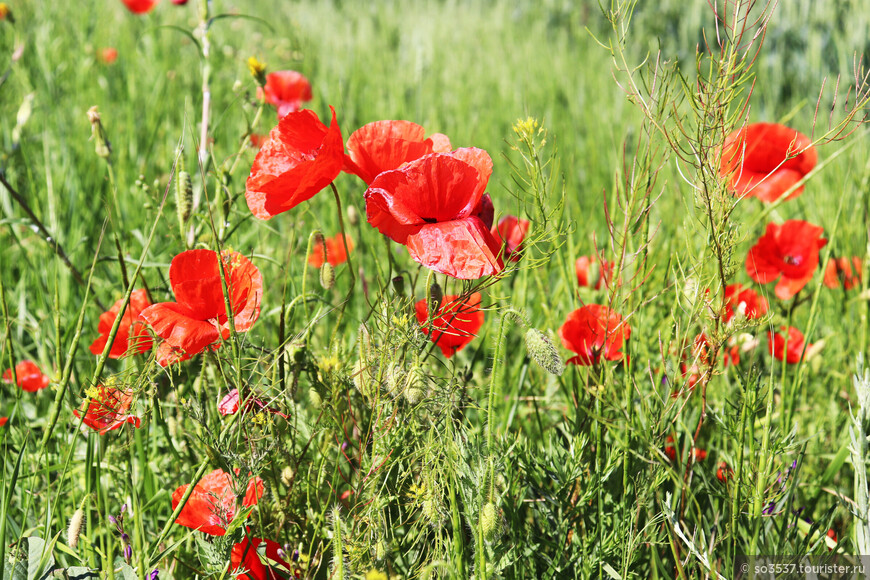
[{"x": 543, "y": 352}]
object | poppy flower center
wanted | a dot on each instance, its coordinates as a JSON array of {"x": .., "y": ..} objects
[
  {"x": 430, "y": 220},
  {"x": 793, "y": 260}
]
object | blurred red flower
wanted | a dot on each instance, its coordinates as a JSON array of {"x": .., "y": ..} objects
[
  {"x": 299, "y": 158},
  {"x": 198, "y": 319},
  {"x": 745, "y": 300},
  {"x": 428, "y": 205},
  {"x": 724, "y": 472},
  {"x": 593, "y": 331},
  {"x": 179, "y": 2},
  {"x": 286, "y": 90},
  {"x": 3, "y": 421},
  {"x": 132, "y": 336},
  {"x": 765, "y": 159},
  {"x": 229, "y": 405},
  {"x": 511, "y": 230},
  {"x": 386, "y": 145},
  {"x": 792, "y": 250},
  {"x": 107, "y": 55},
  {"x": 108, "y": 409},
  {"x": 791, "y": 352},
  {"x": 334, "y": 249},
  {"x": 456, "y": 323},
  {"x": 140, "y": 6},
  {"x": 590, "y": 274},
  {"x": 30, "y": 378},
  {"x": 839, "y": 269},
  {"x": 212, "y": 504},
  {"x": 244, "y": 557},
  {"x": 257, "y": 140}
]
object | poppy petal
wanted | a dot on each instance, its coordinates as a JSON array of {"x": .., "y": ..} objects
[{"x": 462, "y": 248}]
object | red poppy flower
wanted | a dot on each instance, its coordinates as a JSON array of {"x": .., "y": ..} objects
[
  {"x": 30, "y": 378},
  {"x": 132, "y": 337},
  {"x": 387, "y": 145},
  {"x": 140, "y": 6},
  {"x": 198, "y": 319},
  {"x": 299, "y": 158},
  {"x": 840, "y": 269},
  {"x": 107, "y": 55},
  {"x": 670, "y": 450},
  {"x": 593, "y": 331},
  {"x": 3, "y": 421},
  {"x": 245, "y": 559},
  {"x": 590, "y": 274},
  {"x": 286, "y": 90},
  {"x": 511, "y": 230},
  {"x": 212, "y": 505},
  {"x": 765, "y": 159},
  {"x": 791, "y": 352},
  {"x": 792, "y": 250},
  {"x": 456, "y": 323},
  {"x": 724, "y": 472},
  {"x": 107, "y": 410},
  {"x": 745, "y": 300},
  {"x": 334, "y": 249},
  {"x": 229, "y": 405},
  {"x": 428, "y": 205}
]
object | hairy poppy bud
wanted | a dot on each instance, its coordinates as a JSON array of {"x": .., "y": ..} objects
[
  {"x": 543, "y": 352},
  {"x": 315, "y": 398},
  {"x": 399, "y": 285},
  {"x": 327, "y": 275},
  {"x": 431, "y": 511},
  {"x": 98, "y": 134},
  {"x": 287, "y": 475},
  {"x": 415, "y": 387},
  {"x": 74, "y": 530},
  {"x": 436, "y": 295},
  {"x": 380, "y": 550},
  {"x": 183, "y": 197},
  {"x": 489, "y": 521}
]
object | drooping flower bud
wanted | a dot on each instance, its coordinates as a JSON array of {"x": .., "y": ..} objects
[
  {"x": 76, "y": 523},
  {"x": 489, "y": 521},
  {"x": 543, "y": 352},
  {"x": 101, "y": 143},
  {"x": 327, "y": 275}
]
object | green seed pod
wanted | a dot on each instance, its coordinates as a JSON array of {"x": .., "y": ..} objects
[
  {"x": 543, "y": 352},
  {"x": 489, "y": 521},
  {"x": 287, "y": 475},
  {"x": 327, "y": 275},
  {"x": 183, "y": 196}
]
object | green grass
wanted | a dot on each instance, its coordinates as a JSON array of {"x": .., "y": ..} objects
[{"x": 574, "y": 464}]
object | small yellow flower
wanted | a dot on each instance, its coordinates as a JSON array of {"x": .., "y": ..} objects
[
  {"x": 376, "y": 575},
  {"x": 255, "y": 66},
  {"x": 4, "y": 11}
]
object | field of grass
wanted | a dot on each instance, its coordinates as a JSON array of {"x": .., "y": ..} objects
[{"x": 378, "y": 456}]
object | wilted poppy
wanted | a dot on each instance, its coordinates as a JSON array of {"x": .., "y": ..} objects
[
  {"x": 30, "y": 378},
  {"x": 456, "y": 323},
  {"x": 334, "y": 249},
  {"x": 593, "y": 331},
  {"x": 107, "y": 55},
  {"x": 199, "y": 318},
  {"x": 511, "y": 230},
  {"x": 107, "y": 409},
  {"x": 839, "y": 269},
  {"x": 387, "y": 145},
  {"x": 764, "y": 160},
  {"x": 299, "y": 158},
  {"x": 140, "y": 6},
  {"x": 246, "y": 560},
  {"x": 592, "y": 275},
  {"x": 286, "y": 90},
  {"x": 132, "y": 336},
  {"x": 428, "y": 205},
  {"x": 746, "y": 301},
  {"x": 791, "y": 250},
  {"x": 212, "y": 504},
  {"x": 792, "y": 351}
]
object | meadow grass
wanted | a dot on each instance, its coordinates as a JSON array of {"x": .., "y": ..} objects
[{"x": 394, "y": 461}]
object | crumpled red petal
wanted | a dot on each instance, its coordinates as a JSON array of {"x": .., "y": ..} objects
[
  {"x": 286, "y": 90},
  {"x": 132, "y": 336},
  {"x": 212, "y": 504},
  {"x": 299, "y": 158},
  {"x": 462, "y": 248},
  {"x": 108, "y": 411},
  {"x": 456, "y": 323}
]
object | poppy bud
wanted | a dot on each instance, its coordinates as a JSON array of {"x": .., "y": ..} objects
[
  {"x": 327, "y": 275},
  {"x": 431, "y": 511},
  {"x": 435, "y": 297},
  {"x": 315, "y": 398},
  {"x": 414, "y": 394},
  {"x": 489, "y": 521},
  {"x": 74, "y": 530},
  {"x": 287, "y": 475},
  {"x": 380, "y": 550},
  {"x": 543, "y": 351},
  {"x": 352, "y": 215},
  {"x": 399, "y": 285},
  {"x": 98, "y": 134},
  {"x": 183, "y": 196}
]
